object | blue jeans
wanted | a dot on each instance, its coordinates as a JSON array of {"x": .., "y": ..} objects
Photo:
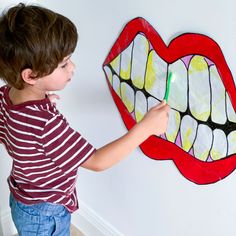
[{"x": 42, "y": 219}]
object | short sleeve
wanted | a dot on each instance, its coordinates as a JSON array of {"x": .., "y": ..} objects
[{"x": 65, "y": 146}]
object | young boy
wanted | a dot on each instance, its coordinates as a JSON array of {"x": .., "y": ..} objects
[{"x": 35, "y": 49}]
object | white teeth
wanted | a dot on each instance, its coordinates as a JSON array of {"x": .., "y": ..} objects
[
  {"x": 219, "y": 146},
  {"x": 116, "y": 84},
  {"x": 199, "y": 87},
  {"x": 127, "y": 95},
  {"x": 108, "y": 73},
  {"x": 173, "y": 125},
  {"x": 139, "y": 60},
  {"x": 202, "y": 144},
  {"x": 115, "y": 64},
  {"x": 188, "y": 131},
  {"x": 231, "y": 143},
  {"x": 178, "y": 86},
  {"x": 218, "y": 114},
  {"x": 230, "y": 110},
  {"x": 140, "y": 106},
  {"x": 155, "y": 78},
  {"x": 125, "y": 65},
  {"x": 152, "y": 102}
]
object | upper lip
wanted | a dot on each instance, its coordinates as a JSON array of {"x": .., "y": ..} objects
[{"x": 186, "y": 44}]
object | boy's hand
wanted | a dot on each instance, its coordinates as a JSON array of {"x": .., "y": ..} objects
[
  {"x": 154, "y": 122},
  {"x": 53, "y": 97},
  {"x": 156, "y": 119}
]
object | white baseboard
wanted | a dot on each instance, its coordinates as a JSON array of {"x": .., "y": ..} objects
[
  {"x": 90, "y": 223},
  {"x": 7, "y": 227}
]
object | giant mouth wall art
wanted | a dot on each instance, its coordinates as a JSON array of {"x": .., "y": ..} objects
[{"x": 201, "y": 133}]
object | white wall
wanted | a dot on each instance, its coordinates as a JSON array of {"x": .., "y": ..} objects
[{"x": 140, "y": 196}]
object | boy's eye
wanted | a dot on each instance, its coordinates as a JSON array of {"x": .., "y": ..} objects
[{"x": 63, "y": 66}]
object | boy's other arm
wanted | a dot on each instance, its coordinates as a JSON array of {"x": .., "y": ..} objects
[
  {"x": 53, "y": 97},
  {"x": 154, "y": 122}
]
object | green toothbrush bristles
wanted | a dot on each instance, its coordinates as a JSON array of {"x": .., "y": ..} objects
[{"x": 168, "y": 87}]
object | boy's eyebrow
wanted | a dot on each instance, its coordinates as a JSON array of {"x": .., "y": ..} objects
[{"x": 66, "y": 59}]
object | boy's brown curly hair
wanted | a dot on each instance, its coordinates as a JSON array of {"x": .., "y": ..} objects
[{"x": 33, "y": 37}]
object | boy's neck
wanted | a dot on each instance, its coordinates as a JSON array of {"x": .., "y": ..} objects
[{"x": 27, "y": 94}]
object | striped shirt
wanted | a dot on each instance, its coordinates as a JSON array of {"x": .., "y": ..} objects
[{"x": 45, "y": 150}]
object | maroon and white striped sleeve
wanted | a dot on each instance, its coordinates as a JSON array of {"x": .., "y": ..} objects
[{"x": 65, "y": 146}]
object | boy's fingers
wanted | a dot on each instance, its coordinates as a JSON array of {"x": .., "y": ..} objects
[
  {"x": 160, "y": 105},
  {"x": 164, "y": 102},
  {"x": 53, "y": 96}
]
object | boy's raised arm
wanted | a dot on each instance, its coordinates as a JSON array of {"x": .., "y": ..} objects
[{"x": 154, "y": 123}]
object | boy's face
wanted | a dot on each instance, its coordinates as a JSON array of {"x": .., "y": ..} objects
[{"x": 58, "y": 79}]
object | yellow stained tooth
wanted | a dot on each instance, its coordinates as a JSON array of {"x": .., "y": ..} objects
[
  {"x": 186, "y": 143},
  {"x": 125, "y": 66},
  {"x": 125, "y": 72},
  {"x": 203, "y": 156},
  {"x": 139, "y": 116},
  {"x": 140, "y": 106},
  {"x": 198, "y": 64},
  {"x": 201, "y": 115},
  {"x": 173, "y": 126},
  {"x": 199, "y": 88},
  {"x": 116, "y": 84},
  {"x": 127, "y": 95},
  {"x": 155, "y": 78},
  {"x": 188, "y": 131},
  {"x": 203, "y": 142},
  {"x": 215, "y": 154},
  {"x": 139, "y": 60},
  {"x": 178, "y": 97},
  {"x": 150, "y": 73},
  {"x": 231, "y": 143},
  {"x": 219, "y": 146},
  {"x": 218, "y": 111},
  {"x": 115, "y": 64},
  {"x": 138, "y": 82}
]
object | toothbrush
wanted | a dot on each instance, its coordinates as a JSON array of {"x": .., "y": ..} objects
[{"x": 170, "y": 76}]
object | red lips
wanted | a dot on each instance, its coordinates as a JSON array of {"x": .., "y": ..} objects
[{"x": 157, "y": 148}]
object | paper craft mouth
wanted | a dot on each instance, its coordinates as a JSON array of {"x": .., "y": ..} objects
[{"x": 201, "y": 133}]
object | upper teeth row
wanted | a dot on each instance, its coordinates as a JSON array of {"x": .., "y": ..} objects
[{"x": 198, "y": 87}]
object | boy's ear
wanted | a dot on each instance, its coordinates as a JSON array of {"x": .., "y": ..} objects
[{"x": 28, "y": 76}]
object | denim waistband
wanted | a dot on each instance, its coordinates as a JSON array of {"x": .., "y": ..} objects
[{"x": 45, "y": 208}]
